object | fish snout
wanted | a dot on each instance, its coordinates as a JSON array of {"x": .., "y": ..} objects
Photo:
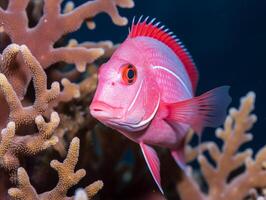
[{"x": 101, "y": 111}]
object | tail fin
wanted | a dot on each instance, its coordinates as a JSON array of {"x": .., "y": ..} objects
[{"x": 206, "y": 110}]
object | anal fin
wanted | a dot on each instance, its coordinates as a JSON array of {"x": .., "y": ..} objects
[{"x": 153, "y": 163}]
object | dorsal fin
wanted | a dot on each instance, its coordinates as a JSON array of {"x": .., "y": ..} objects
[{"x": 149, "y": 29}]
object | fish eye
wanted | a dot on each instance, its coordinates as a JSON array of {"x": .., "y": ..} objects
[{"x": 129, "y": 74}]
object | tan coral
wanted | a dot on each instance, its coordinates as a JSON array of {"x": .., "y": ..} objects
[
  {"x": 61, "y": 24},
  {"x": 68, "y": 177},
  {"x": 7, "y": 136},
  {"x": 71, "y": 125},
  {"x": 44, "y": 98},
  {"x": 108, "y": 46},
  {"x": 228, "y": 159},
  {"x": 30, "y": 144},
  {"x": 16, "y": 75},
  {"x": 88, "y": 85},
  {"x": 25, "y": 115},
  {"x": 70, "y": 91},
  {"x": 14, "y": 21},
  {"x": 13, "y": 146}
]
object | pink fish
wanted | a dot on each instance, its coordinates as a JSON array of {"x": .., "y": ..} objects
[{"x": 146, "y": 92}]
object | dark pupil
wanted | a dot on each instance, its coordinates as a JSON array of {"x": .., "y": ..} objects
[{"x": 130, "y": 74}]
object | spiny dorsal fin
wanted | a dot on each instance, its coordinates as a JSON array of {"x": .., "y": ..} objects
[{"x": 149, "y": 29}]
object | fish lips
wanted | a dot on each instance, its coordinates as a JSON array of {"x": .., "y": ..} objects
[{"x": 104, "y": 112}]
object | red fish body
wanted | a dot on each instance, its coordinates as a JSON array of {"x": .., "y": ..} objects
[{"x": 146, "y": 92}]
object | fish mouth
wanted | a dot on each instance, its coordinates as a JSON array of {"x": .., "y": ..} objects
[{"x": 103, "y": 111}]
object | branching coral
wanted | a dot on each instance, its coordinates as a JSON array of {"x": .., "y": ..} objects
[
  {"x": 7, "y": 136},
  {"x": 13, "y": 146},
  {"x": 40, "y": 39},
  {"x": 221, "y": 184},
  {"x": 27, "y": 111},
  {"x": 18, "y": 113},
  {"x": 108, "y": 46},
  {"x": 29, "y": 143},
  {"x": 32, "y": 125},
  {"x": 72, "y": 124},
  {"x": 67, "y": 178}
]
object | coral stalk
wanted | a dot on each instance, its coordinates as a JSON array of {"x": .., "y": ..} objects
[
  {"x": 228, "y": 159},
  {"x": 14, "y": 22},
  {"x": 68, "y": 177},
  {"x": 13, "y": 146},
  {"x": 19, "y": 116}
]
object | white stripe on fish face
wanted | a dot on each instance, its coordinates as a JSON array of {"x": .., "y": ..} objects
[
  {"x": 133, "y": 127},
  {"x": 148, "y": 120},
  {"x": 175, "y": 75},
  {"x": 135, "y": 98}
]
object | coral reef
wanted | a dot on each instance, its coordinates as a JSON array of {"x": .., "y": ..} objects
[
  {"x": 221, "y": 175},
  {"x": 43, "y": 96},
  {"x": 67, "y": 178},
  {"x": 29, "y": 107},
  {"x": 20, "y": 115},
  {"x": 14, "y": 23}
]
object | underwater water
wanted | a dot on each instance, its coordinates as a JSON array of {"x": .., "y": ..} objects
[
  {"x": 225, "y": 38},
  {"x": 227, "y": 41}
]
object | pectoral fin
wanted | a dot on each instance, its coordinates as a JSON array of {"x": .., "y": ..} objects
[{"x": 153, "y": 163}]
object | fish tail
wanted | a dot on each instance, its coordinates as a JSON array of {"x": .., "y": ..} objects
[{"x": 206, "y": 110}]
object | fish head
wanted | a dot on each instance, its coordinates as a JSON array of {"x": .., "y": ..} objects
[{"x": 127, "y": 96}]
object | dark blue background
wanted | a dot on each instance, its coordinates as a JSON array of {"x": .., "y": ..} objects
[{"x": 227, "y": 39}]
